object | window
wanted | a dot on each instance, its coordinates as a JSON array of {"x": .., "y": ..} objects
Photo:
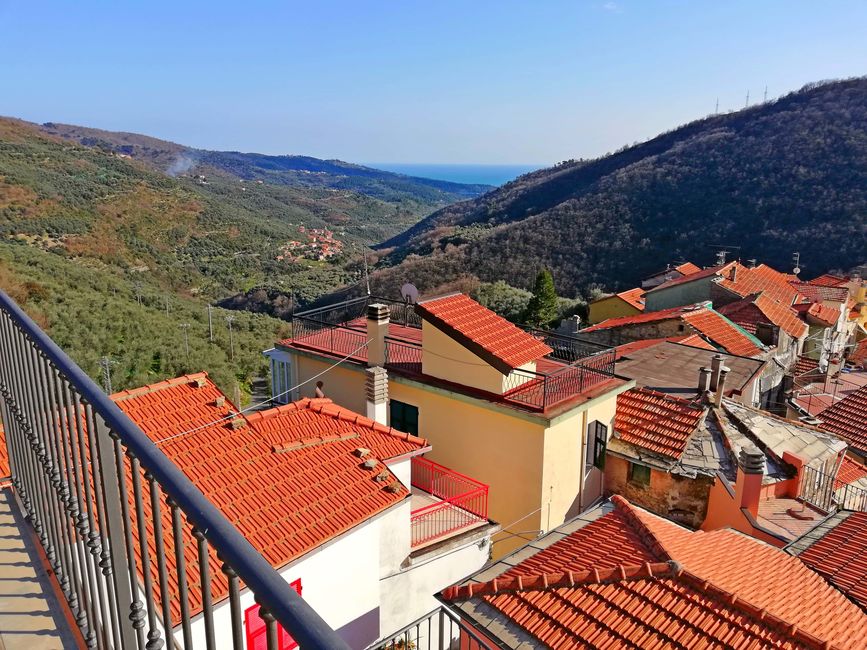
[
  {"x": 404, "y": 417},
  {"x": 597, "y": 442},
  {"x": 257, "y": 633},
  {"x": 639, "y": 474}
]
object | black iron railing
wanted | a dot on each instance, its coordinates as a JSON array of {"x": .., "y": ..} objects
[
  {"x": 113, "y": 513},
  {"x": 439, "y": 630},
  {"x": 824, "y": 491}
]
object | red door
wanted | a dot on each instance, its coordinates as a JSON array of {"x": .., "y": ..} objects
[{"x": 257, "y": 634}]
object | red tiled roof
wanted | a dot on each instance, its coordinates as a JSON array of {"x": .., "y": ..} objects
[
  {"x": 697, "y": 275},
  {"x": 694, "y": 341},
  {"x": 634, "y": 297},
  {"x": 687, "y": 268},
  {"x": 655, "y": 421},
  {"x": 849, "y": 472},
  {"x": 828, "y": 280},
  {"x": 666, "y": 586},
  {"x": 840, "y": 556},
  {"x": 714, "y": 326},
  {"x": 806, "y": 365},
  {"x": 816, "y": 293},
  {"x": 859, "y": 352},
  {"x": 477, "y": 328},
  {"x": 288, "y": 479},
  {"x": 817, "y": 313},
  {"x": 762, "y": 279},
  {"x": 848, "y": 419},
  {"x": 759, "y": 308}
]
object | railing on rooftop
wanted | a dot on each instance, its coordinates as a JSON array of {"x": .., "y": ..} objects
[
  {"x": 464, "y": 501},
  {"x": 822, "y": 490},
  {"x": 112, "y": 513},
  {"x": 438, "y": 630}
]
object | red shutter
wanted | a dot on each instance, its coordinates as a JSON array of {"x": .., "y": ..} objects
[{"x": 257, "y": 634}]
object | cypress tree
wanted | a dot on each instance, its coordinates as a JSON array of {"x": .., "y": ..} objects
[{"x": 542, "y": 308}]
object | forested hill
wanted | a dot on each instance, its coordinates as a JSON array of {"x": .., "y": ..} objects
[
  {"x": 294, "y": 171},
  {"x": 789, "y": 175}
]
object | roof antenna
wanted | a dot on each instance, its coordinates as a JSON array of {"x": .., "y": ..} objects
[
  {"x": 366, "y": 276},
  {"x": 796, "y": 260}
]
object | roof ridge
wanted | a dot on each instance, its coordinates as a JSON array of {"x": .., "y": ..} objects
[
  {"x": 543, "y": 581},
  {"x": 297, "y": 405},
  {"x": 755, "y": 612},
  {"x": 644, "y": 533},
  {"x": 677, "y": 401},
  {"x": 160, "y": 385}
]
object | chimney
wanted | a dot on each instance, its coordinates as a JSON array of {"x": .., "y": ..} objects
[
  {"x": 721, "y": 384},
  {"x": 703, "y": 381},
  {"x": 748, "y": 486},
  {"x": 377, "y": 329},
  {"x": 715, "y": 364},
  {"x": 376, "y": 389},
  {"x": 733, "y": 274}
]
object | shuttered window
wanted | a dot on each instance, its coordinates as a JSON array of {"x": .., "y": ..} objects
[
  {"x": 257, "y": 633},
  {"x": 597, "y": 442}
]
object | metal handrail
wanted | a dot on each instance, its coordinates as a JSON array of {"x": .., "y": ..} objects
[{"x": 271, "y": 590}]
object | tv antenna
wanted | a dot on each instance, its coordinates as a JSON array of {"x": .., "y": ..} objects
[
  {"x": 796, "y": 260},
  {"x": 409, "y": 292},
  {"x": 366, "y": 274},
  {"x": 723, "y": 251}
]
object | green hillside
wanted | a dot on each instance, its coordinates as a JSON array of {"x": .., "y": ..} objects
[{"x": 786, "y": 176}]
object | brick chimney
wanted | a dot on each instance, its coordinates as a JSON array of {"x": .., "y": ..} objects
[
  {"x": 377, "y": 328},
  {"x": 376, "y": 392},
  {"x": 748, "y": 486},
  {"x": 733, "y": 273},
  {"x": 715, "y": 365}
]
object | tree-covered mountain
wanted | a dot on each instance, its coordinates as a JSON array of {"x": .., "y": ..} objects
[
  {"x": 784, "y": 176},
  {"x": 291, "y": 171}
]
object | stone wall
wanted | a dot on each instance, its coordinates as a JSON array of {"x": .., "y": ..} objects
[{"x": 678, "y": 498}]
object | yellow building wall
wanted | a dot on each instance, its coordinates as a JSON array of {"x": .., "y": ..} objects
[
  {"x": 501, "y": 450},
  {"x": 447, "y": 359},
  {"x": 564, "y": 488},
  {"x": 610, "y": 307},
  {"x": 343, "y": 384}
]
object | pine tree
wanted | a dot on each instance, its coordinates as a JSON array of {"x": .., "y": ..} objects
[{"x": 543, "y": 305}]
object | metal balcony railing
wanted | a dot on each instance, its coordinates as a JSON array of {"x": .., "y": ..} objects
[
  {"x": 113, "y": 513},
  {"x": 464, "y": 501},
  {"x": 824, "y": 491},
  {"x": 438, "y": 630}
]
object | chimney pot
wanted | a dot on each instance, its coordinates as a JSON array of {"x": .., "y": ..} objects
[
  {"x": 721, "y": 384},
  {"x": 715, "y": 364},
  {"x": 378, "y": 312},
  {"x": 703, "y": 380},
  {"x": 751, "y": 460}
]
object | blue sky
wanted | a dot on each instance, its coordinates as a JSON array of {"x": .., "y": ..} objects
[{"x": 405, "y": 81}]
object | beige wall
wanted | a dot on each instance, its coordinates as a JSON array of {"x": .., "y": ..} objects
[
  {"x": 610, "y": 307},
  {"x": 447, "y": 359},
  {"x": 343, "y": 384}
]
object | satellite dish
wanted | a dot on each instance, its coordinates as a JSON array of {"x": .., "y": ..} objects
[
  {"x": 409, "y": 293},
  {"x": 796, "y": 270}
]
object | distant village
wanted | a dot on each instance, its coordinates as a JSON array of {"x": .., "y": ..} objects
[{"x": 320, "y": 244}]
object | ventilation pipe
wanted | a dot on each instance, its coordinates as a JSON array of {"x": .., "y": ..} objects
[
  {"x": 703, "y": 381},
  {"x": 715, "y": 365},
  {"x": 721, "y": 384}
]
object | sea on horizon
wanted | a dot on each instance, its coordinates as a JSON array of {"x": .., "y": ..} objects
[{"x": 458, "y": 173}]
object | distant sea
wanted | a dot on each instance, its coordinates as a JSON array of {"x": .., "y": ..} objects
[{"x": 485, "y": 174}]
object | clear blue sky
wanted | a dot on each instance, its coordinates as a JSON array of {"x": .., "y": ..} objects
[{"x": 405, "y": 81}]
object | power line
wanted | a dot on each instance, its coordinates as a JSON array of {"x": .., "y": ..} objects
[{"x": 253, "y": 407}]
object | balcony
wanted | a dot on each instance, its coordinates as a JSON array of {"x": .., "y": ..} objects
[
  {"x": 139, "y": 558},
  {"x": 445, "y": 503},
  {"x": 573, "y": 368}
]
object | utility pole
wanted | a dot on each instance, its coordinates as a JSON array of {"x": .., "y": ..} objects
[
  {"x": 766, "y": 95},
  {"x": 716, "y": 109},
  {"x": 105, "y": 363},
  {"x": 186, "y": 328},
  {"x": 167, "y": 304},
  {"x": 210, "y": 325},
  {"x": 748, "y": 100},
  {"x": 229, "y": 321}
]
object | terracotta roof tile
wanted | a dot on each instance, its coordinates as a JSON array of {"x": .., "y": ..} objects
[
  {"x": 759, "y": 308},
  {"x": 819, "y": 314},
  {"x": 840, "y": 556},
  {"x": 805, "y": 365},
  {"x": 694, "y": 341},
  {"x": 697, "y": 275},
  {"x": 655, "y": 421},
  {"x": 687, "y": 268},
  {"x": 284, "y": 500},
  {"x": 763, "y": 279},
  {"x": 820, "y": 293},
  {"x": 848, "y": 419},
  {"x": 859, "y": 352},
  {"x": 828, "y": 280},
  {"x": 634, "y": 297},
  {"x": 849, "y": 472},
  {"x": 492, "y": 337},
  {"x": 711, "y": 324},
  {"x": 667, "y": 586}
]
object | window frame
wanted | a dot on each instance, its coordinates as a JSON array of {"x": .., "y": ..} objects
[
  {"x": 399, "y": 420},
  {"x": 255, "y": 630},
  {"x": 631, "y": 474},
  {"x": 597, "y": 445}
]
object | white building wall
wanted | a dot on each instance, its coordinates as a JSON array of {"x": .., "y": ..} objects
[
  {"x": 340, "y": 581},
  {"x": 284, "y": 375}
]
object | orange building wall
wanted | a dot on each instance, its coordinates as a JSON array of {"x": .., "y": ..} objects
[{"x": 724, "y": 511}]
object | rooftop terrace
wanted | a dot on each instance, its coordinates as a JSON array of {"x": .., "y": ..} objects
[{"x": 571, "y": 371}]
